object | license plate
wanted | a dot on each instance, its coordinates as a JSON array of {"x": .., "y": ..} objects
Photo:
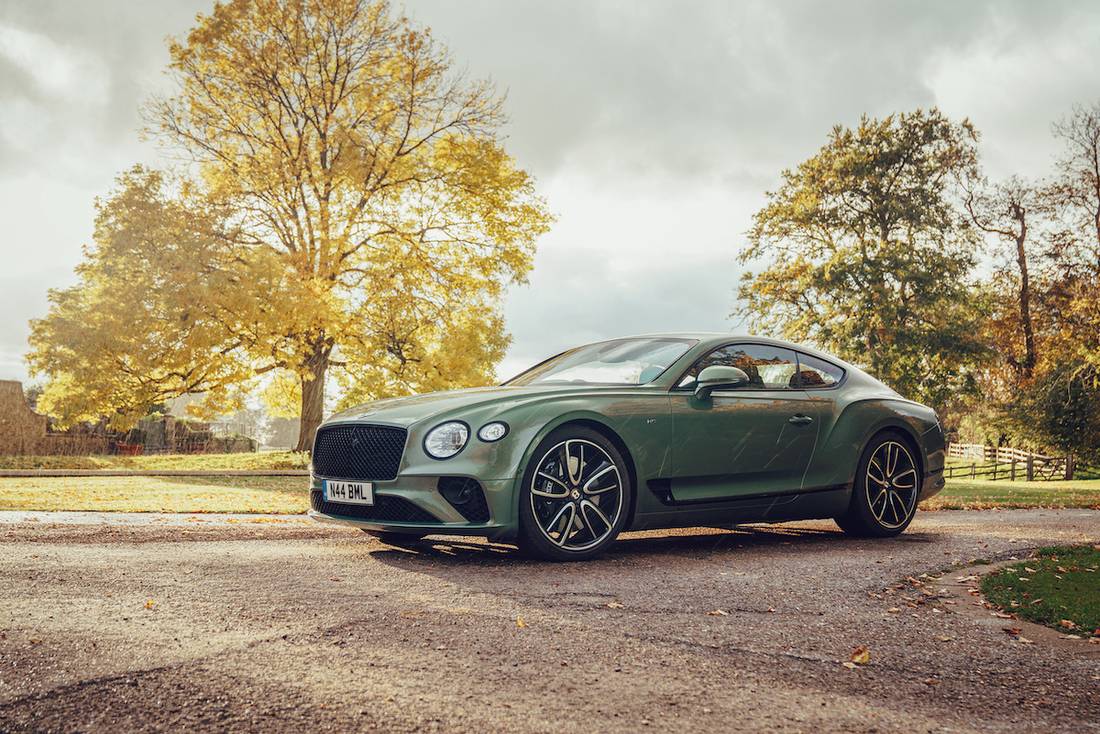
[{"x": 352, "y": 493}]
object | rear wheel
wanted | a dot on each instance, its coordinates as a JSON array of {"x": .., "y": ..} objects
[
  {"x": 884, "y": 494},
  {"x": 575, "y": 496}
]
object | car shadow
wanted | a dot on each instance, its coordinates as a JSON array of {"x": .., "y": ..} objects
[{"x": 434, "y": 553}]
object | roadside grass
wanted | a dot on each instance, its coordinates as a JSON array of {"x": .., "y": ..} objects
[
  {"x": 278, "y": 460},
  {"x": 290, "y": 494},
  {"x": 1059, "y": 588},
  {"x": 966, "y": 494},
  {"x": 277, "y": 495}
]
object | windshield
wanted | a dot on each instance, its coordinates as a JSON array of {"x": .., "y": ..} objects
[{"x": 617, "y": 362}]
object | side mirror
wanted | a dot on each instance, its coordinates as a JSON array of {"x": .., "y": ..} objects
[{"x": 716, "y": 377}]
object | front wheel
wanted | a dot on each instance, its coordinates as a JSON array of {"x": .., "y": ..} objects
[
  {"x": 884, "y": 494},
  {"x": 575, "y": 497}
]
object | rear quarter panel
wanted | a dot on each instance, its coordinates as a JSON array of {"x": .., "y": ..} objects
[{"x": 851, "y": 418}]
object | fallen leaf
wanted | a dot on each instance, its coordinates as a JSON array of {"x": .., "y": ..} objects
[
  {"x": 1002, "y": 615},
  {"x": 1031, "y": 570},
  {"x": 861, "y": 655},
  {"x": 718, "y": 613},
  {"x": 931, "y": 682},
  {"x": 1033, "y": 602},
  {"x": 150, "y": 603},
  {"x": 893, "y": 610},
  {"x": 614, "y": 605},
  {"x": 1011, "y": 630},
  {"x": 520, "y": 623},
  {"x": 1023, "y": 641},
  {"x": 966, "y": 579},
  {"x": 849, "y": 665},
  {"x": 1067, "y": 623}
]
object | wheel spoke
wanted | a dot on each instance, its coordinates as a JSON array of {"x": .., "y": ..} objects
[
  {"x": 586, "y": 507},
  {"x": 552, "y": 495},
  {"x": 587, "y": 488},
  {"x": 880, "y": 496}
]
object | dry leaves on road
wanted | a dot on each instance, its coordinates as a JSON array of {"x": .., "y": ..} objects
[
  {"x": 520, "y": 622},
  {"x": 860, "y": 656},
  {"x": 718, "y": 613}
]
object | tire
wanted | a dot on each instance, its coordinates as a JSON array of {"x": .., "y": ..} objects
[
  {"x": 883, "y": 501},
  {"x": 575, "y": 497}
]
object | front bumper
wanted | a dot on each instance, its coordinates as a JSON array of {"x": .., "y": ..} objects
[
  {"x": 933, "y": 484},
  {"x": 415, "y": 505}
]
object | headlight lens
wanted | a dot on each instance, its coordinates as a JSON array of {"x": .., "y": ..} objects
[
  {"x": 493, "y": 431},
  {"x": 446, "y": 439}
]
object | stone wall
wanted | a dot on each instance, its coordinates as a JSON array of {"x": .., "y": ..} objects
[{"x": 22, "y": 431}]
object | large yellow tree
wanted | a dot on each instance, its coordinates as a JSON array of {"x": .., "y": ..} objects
[{"x": 349, "y": 208}]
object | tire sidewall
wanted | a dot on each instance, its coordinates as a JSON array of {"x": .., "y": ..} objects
[{"x": 531, "y": 538}]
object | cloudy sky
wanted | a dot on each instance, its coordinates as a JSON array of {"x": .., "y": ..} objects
[{"x": 653, "y": 128}]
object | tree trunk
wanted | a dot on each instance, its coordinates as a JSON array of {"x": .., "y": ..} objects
[
  {"x": 1030, "y": 356},
  {"x": 313, "y": 397}
]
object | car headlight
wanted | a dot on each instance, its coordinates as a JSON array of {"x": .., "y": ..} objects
[
  {"x": 446, "y": 439},
  {"x": 492, "y": 431}
]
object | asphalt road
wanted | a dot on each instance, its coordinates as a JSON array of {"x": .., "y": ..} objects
[{"x": 288, "y": 625}]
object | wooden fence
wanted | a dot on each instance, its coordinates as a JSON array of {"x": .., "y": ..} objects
[{"x": 992, "y": 463}]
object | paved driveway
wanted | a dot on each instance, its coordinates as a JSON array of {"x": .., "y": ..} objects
[{"x": 281, "y": 625}]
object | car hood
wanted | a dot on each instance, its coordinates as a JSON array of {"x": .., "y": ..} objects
[{"x": 414, "y": 408}]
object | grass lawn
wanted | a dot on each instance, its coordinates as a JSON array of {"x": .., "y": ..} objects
[
  {"x": 290, "y": 494},
  {"x": 156, "y": 494},
  {"x": 1060, "y": 588},
  {"x": 966, "y": 494},
  {"x": 257, "y": 461}
]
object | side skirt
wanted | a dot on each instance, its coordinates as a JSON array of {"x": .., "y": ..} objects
[{"x": 808, "y": 504}]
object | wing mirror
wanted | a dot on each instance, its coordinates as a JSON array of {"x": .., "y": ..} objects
[{"x": 717, "y": 377}]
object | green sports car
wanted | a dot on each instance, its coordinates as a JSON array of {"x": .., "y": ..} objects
[{"x": 637, "y": 433}]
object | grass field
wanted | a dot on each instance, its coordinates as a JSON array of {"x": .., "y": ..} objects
[
  {"x": 258, "y": 461},
  {"x": 289, "y": 494},
  {"x": 1059, "y": 587},
  {"x": 156, "y": 494},
  {"x": 965, "y": 494}
]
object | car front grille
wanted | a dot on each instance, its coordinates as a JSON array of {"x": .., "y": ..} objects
[
  {"x": 386, "y": 508},
  {"x": 358, "y": 451}
]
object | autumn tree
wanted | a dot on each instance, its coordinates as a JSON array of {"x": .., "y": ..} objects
[
  {"x": 864, "y": 249},
  {"x": 350, "y": 209},
  {"x": 1010, "y": 213}
]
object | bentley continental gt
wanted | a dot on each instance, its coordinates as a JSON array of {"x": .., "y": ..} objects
[{"x": 637, "y": 433}]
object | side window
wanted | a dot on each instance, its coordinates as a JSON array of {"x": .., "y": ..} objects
[
  {"x": 768, "y": 368},
  {"x": 817, "y": 373}
]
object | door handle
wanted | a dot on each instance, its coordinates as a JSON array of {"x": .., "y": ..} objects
[{"x": 800, "y": 420}]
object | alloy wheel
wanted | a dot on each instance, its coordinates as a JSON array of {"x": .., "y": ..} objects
[
  {"x": 576, "y": 494},
  {"x": 891, "y": 484}
]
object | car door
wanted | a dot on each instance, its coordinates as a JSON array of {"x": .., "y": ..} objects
[{"x": 752, "y": 440}]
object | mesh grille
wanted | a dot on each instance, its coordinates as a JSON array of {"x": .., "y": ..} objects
[
  {"x": 466, "y": 496},
  {"x": 358, "y": 452},
  {"x": 386, "y": 508}
]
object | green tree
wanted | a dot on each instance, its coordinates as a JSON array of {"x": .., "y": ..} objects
[
  {"x": 348, "y": 205},
  {"x": 866, "y": 251}
]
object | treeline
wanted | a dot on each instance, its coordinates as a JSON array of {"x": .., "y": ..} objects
[{"x": 891, "y": 248}]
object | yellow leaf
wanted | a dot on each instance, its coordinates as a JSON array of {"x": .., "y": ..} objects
[
  {"x": 520, "y": 622},
  {"x": 860, "y": 656}
]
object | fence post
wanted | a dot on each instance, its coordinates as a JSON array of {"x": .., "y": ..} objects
[
  {"x": 1014, "y": 469},
  {"x": 1069, "y": 467},
  {"x": 973, "y": 470},
  {"x": 1030, "y": 468}
]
